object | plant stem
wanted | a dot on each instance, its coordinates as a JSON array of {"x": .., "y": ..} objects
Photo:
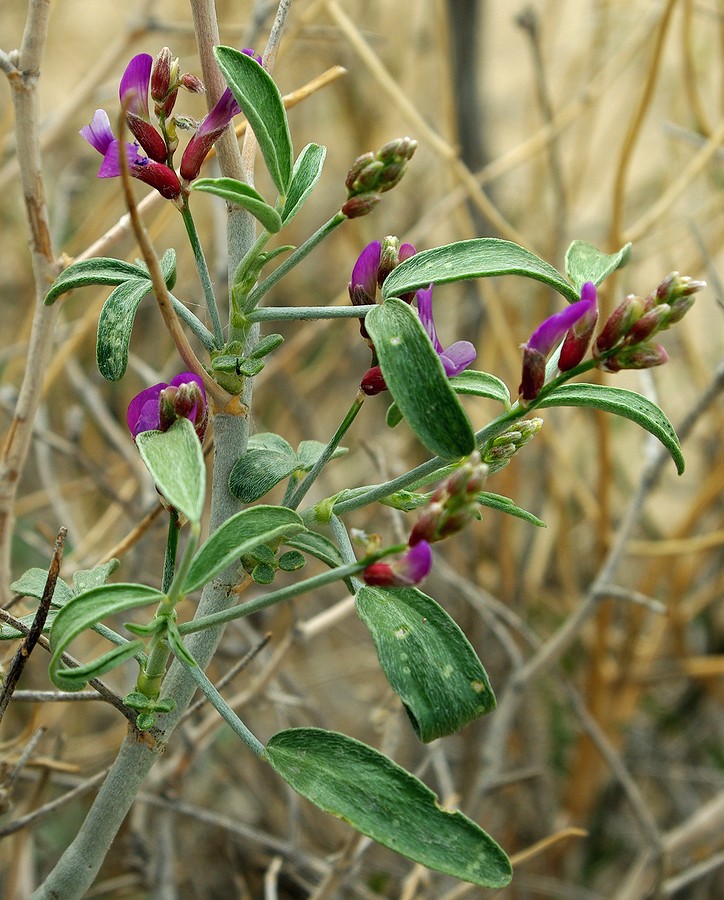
[
  {"x": 169, "y": 562},
  {"x": 290, "y": 262},
  {"x": 301, "y": 313},
  {"x": 326, "y": 454},
  {"x": 203, "y": 271}
]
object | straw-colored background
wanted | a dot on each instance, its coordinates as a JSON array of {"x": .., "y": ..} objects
[{"x": 602, "y": 122}]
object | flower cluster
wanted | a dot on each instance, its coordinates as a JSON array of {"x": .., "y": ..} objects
[
  {"x": 156, "y": 408},
  {"x": 374, "y": 173},
  {"x": 452, "y": 506},
  {"x": 373, "y": 266},
  {"x": 150, "y": 156},
  {"x": 625, "y": 341}
]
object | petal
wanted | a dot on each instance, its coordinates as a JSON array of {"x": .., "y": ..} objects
[
  {"x": 222, "y": 113},
  {"x": 111, "y": 165},
  {"x": 457, "y": 357},
  {"x": 364, "y": 273},
  {"x": 550, "y": 331},
  {"x": 424, "y": 311},
  {"x": 98, "y": 133},
  {"x": 416, "y": 563},
  {"x": 406, "y": 251},
  {"x": 143, "y": 412},
  {"x": 133, "y": 89}
]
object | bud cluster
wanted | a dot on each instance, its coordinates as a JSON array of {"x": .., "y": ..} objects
[
  {"x": 503, "y": 448},
  {"x": 625, "y": 341},
  {"x": 374, "y": 173},
  {"x": 453, "y": 505}
]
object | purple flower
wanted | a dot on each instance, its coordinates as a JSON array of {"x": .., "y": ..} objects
[
  {"x": 410, "y": 569},
  {"x": 363, "y": 285},
  {"x": 547, "y": 335},
  {"x": 210, "y": 129},
  {"x": 100, "y": 136},
  {"x": 156, "y": 408},
  {"x": 457, "y": 356}
]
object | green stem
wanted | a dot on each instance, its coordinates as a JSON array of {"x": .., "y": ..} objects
[
  {"x": 326, "y": 454},
  {"x": 293, "y": 260},
  {"x": 301, "y": 313},
  {"x": 286, "y": 593},
  {"x": 203, "y": 270},
  {"x": 223, "y": 708},
  {"x": 195, "y": 324},
  {"x": 169, "y": 562}
]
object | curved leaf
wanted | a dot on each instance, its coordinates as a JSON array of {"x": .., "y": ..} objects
[
  {"x": 506, "y": 505},
  {"x": 416, "y": 378},
  {"x": 481, "y": 384},
  {"x": 101, "y": 270},
  {"x": 379, "y": 798},
  {"x": 77, "y": 678},
  {"x": 585, "y": 263},
  {"x": 427, "y": 660},
  {"x": 257, "y": 472},
  {"x": 624, "y": 403},
  {"x": 307, "y": 170},
  {"x": 239, "y": 535},
  {"x": 476, "y": 258},
  {"x": 175, "y": 460},
  {"x": 242, "y": 195},
  {"x": 87, "y": 609},
  {"x": 262, "y": 104},
  {"x": 115, "y": 325}
]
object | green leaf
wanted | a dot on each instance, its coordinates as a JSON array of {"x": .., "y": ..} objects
[
  {"x": 307, "y": 170},
  {"x": 624, "y": 403},
  {"x": 379, "y": 798},
  {"x": 506, "y": 505},
  {"x": 76, "y": 679},
  {"x": 262, "y": 104},
  {"x": 393, "y": 416},
  {"x": 32, "y": 584},
  {"x": 481, "y": 384},
  {"x": 258, "y": 471},
  {"x": 242, "y": 195},
  {"x": 85, "y": 579},
  {"x": 417, "y": 380},
  {"x": 115, "y": 325},
  {"x": 85, "y": 610},
  {"x": 237, "y": 536},
  {"x": 585, "y": 263},
  {"x": 103, "y": 270},
  {"x": 476, "y": 258},
  {"x": 175, "y": 460},
  {"x": 427, "y": 660},
  {"x": 317, "y": 545}
]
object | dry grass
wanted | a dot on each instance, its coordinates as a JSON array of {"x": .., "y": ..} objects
[{"x": 604, "y": 123}]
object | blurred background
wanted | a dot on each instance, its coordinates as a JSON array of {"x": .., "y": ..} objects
[{"x": 541, "y": 123}]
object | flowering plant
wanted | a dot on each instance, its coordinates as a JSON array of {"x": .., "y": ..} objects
[{"x": 423, "y": 653}]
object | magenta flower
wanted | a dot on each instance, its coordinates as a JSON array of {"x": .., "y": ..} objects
[
  {"x": 457, "y": 356},
  {"x": 549, "y": 333},
  {"x": 210, "y": 129},
  {"x": 409, "y": 570},
  {"x": 156, "y": 408}
]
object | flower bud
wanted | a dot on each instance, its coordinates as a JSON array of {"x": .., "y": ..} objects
[
  {"x": 577, "y": 339},
  {"x": 649, "y": 323},
  {"x": 192, "y": 84},
  {"x": 533, "y": 374},
  {"x": 358, "y": 166},
  {"x": 360, "y": 205},
  {"x": 640, "y": 356},
  {"x": 409, "y": 570},
  {"x": 160, "y": 177},
  {"x": 373, "y": 382},
  {"x": 453, "y": 504},
  {"x": 619, "y": 323},
  {"x": 147, "y": 137}
]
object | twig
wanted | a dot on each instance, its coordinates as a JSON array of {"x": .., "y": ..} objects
[{"x": 23, "y": 652}]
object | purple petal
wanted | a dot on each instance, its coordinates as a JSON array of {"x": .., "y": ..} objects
[
  {"x": 223, "y": 112},
  {"x": 98, "y": 133},
  {"x": 405, "y": 252},
  {"x": 250, "y": 52},
  {"x": 143, "y": 412},
  {"x": 457, "y": 357},
  {"x": 424, "y": 311},
  {"x": 133, "y": 89},
  {"x": 549, "y": 332},
  {"x": 416, "y": 563},
  {"x": 364, "y": 273},
  {"x": 111, "y": 165}
]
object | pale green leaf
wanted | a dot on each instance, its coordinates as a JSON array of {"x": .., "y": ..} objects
[{"x": 175, "y": 460}]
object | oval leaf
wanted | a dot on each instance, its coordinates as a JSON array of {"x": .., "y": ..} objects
[
  {"x": 307, "y": 170},
  {"x": 87, "y": 609},
  {"x": 239, "y": 535},
  {"x": 427, "y": 660},
  {"x": 379, "y": 798},
  {"x": 481, "y": 384},
  {"x": 262, "y": 104},
  {"x": 416, "y": 378},
  {"x": 477, "y": 258},
  {"x": 620, "y": 402},
  {"x": 585, "y": 263},
  {"x": 103, "y": 270},
  {"x": 242, "y": 195},
  {"x": 257, "y": 472},
  {"x": 175, "y": 460},
  {"x": 115, "y": 325}
]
